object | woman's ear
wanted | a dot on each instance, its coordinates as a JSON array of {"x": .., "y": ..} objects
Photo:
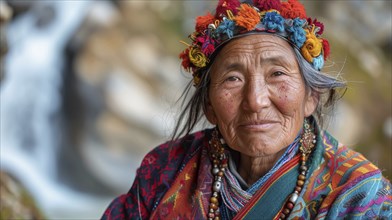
[
  {"x": 210, "y": 113},
  {"x": 311, "y": 103}
]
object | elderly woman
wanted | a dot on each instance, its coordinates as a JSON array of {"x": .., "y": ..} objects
[{"x": 256, "y": 68}]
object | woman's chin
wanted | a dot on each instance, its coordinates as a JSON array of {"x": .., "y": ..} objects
[{"x": 257, "y": 145}]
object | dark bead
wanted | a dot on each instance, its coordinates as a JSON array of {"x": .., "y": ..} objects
[
  {"x": 303, "y": 168},
  {"x": 289, "y": 205}
]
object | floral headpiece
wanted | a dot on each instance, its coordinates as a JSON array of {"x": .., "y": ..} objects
[{"x": 232, "y": 18}]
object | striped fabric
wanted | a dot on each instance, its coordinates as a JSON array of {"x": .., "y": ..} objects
[{"x": 174, "y": 182}]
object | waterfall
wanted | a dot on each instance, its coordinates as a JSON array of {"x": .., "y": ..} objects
[{"x": 30, "y": 104}]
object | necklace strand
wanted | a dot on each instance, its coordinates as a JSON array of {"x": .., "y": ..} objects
[{"x": 219, "y": 166}]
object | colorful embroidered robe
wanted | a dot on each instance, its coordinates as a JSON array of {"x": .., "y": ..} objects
[{"x": 174, "y": 182}]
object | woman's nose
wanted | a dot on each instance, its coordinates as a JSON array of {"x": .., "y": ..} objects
[{"x": 256, "y": 96}]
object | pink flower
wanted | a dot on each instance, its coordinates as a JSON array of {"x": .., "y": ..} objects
[
  {"x": 207, "y": 44},
  {"x": 317, "y": 24}
]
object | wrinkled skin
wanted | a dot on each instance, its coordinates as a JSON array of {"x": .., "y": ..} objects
[{"x": 258, "y": 99}]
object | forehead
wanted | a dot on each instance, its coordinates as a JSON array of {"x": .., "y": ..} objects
[{"x": 265, "y": 46}]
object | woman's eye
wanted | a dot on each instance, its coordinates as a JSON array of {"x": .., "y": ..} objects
[
  {"x": 232, "y": 79},
  {"x": 277, "y": 73}
]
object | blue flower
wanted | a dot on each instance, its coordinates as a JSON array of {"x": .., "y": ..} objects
[
  {"x": 318, "y": 62},
  {"x": 273, "y": 21},
  {"x": 226, "y": 27},
  {"x": 296, "y": 32}
]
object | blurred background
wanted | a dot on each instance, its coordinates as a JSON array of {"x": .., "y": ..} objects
[{"x": 89, "y": 87}]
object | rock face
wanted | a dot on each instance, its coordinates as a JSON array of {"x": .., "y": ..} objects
[
  {"x": 16, "y": 202},
  {"x": 119, "y": 82},
  {"x": 5, "y": 16},
  {"x": 124, "y": 77}
]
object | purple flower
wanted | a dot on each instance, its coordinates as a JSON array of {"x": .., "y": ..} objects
[{"x": 273, "y": 21}]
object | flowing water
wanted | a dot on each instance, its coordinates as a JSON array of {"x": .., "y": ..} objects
[{"x": 30, "y": 105}]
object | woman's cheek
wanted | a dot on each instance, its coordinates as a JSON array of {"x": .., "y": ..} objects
[
  {"x": 226, "y": 105},
  {"x": 287, "y": 99}
]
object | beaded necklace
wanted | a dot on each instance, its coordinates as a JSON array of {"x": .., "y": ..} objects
[{"x": 219, "y": 166}]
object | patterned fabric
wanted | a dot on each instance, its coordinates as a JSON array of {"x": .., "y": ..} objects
[
  {"x": 234, "y": 197},
  {"x": 174, "y": 181},
  {"x": 271, "y": 197},
  {"x": 343, "y": 185}
]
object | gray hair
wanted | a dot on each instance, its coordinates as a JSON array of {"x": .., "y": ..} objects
[{"x": 321, "y": 84}]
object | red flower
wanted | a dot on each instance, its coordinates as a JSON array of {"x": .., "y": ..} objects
[
  {"x": 317, "y": 24},
  {"x": 293, "y": 9},
  {"x": 265, "y": 5},
  {"x": 326, "y": 48},
  {"x": 225, "y": 5},
  {"x": 184, "y": 56},
  {"x": 202, "y": 22}
]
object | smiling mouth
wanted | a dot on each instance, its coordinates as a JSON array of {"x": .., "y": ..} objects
[{"x": 258, "y": 125}]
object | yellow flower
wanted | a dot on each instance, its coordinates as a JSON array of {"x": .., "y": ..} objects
[
  {"x": 197, "y": 57},
  {"x": 312, "y": 46},
  {"x": 196, "y": 79}
]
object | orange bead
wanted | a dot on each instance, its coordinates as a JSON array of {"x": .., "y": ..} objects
[
  {"x": 301, "y": 177},
  {"x": 300, "y": 183},
  {"x": 214, "y": 200}
]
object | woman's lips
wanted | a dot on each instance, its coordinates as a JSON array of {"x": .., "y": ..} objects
[{"x": 258, "y": 125}]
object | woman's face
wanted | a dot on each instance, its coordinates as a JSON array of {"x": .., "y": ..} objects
[{"x": 257, "y": 96}]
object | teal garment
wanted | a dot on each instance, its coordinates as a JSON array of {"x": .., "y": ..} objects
[{"x": 341, "y": 184}]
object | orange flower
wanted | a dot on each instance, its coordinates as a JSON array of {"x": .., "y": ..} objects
[
  {"x": 247, "y": 17},
  {"x": 312, "y": 46},
  {"x": 293, "y": 9},
  {"x": 202, "y": 22}
]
